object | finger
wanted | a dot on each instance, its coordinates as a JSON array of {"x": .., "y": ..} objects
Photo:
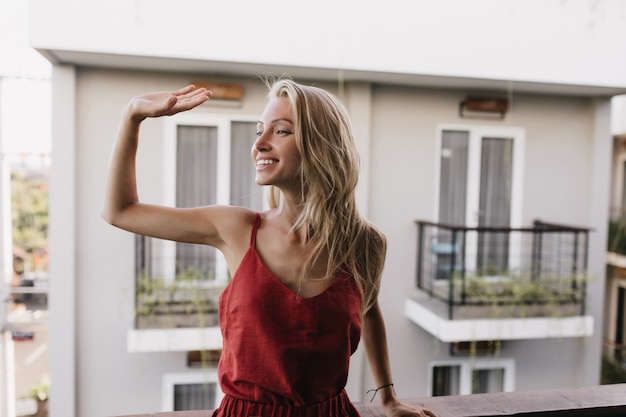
[
  {"x": 193, "y": 99},
  {"x": 182, "y": 105},
  {"x": 184, "y": 90},
  {"x": 194, "y": 94},
  {"x": 191, "y": 102}
]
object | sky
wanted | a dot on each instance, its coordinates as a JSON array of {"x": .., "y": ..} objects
[{"x": 25, "y": 105}]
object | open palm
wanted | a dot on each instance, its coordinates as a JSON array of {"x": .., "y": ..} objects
[{"x": 167, "y": 103}]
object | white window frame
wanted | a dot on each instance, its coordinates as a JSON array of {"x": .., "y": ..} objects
[
  {"x": 170, "y": 380},
  {"x": 476, "y": 132},
  {"x": 467, "y": 366},
  {"x": 223, "y": 123}
]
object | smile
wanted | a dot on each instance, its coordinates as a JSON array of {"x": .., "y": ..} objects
[{"x": 266, "y": 161}]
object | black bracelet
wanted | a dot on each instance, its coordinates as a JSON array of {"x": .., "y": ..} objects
[{"x": 375, "y": 390}]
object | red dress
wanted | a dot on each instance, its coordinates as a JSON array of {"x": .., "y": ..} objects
[{"x": 284, "y": 355}]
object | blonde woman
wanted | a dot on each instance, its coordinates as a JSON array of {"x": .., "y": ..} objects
[{"x": 306, "y": 272}]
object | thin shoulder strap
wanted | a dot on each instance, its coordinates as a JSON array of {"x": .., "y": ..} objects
[{"x": 255, "y": 227}]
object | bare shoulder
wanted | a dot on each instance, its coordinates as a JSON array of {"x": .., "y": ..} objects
[{"x": 232, "y": 223}]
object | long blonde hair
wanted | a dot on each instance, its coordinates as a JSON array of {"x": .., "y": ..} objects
[{"x": 329, "y": 176}]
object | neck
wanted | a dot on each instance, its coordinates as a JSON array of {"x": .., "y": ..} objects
[{"x": 287, "y": 212}]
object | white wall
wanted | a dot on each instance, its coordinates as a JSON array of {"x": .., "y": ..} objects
[{"x": 566, "y": 42}]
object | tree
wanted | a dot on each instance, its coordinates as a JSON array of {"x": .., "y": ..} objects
[{"x": 29, "y": 209}]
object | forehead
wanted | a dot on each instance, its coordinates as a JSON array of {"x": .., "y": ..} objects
[{"x": 277, "y": 109}]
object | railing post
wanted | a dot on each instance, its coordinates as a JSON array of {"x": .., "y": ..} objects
[
  {"x": 575, "y": 262},
  {"x": 451, "y": 276},
  {"x": 463, "y": 281},
  {"x": 536, "y": 252},
  {"x": 584, "y": 283},
  {"x": 420, "y": 246}
]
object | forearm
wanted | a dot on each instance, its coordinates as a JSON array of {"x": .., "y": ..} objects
[
  {"x": 375, "y": 339},
  {"x": 121, "y": 184}
]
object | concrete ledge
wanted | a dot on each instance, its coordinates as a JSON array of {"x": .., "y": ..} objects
[
  {"x": 169, "y": 340},
  {"x": 597, "y": 401},
  {"x": 497, "y": 329}
]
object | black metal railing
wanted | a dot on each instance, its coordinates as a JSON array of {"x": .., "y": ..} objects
[
  {"x": 176, "y": 285},
  {"x": 476, "y": 266}
]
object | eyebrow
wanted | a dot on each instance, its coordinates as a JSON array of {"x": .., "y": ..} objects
[{"x": 282, "y": 119}]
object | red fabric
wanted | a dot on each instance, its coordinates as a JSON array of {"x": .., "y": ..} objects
[{"x": 284, "y": 350}]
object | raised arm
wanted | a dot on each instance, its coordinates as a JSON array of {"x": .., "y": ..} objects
[
  {"x": 122, "y": 207},
  {"x": 375, "y": 340}
]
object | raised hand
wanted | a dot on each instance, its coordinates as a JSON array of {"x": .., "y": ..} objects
[{"x": 167, "y": 103}]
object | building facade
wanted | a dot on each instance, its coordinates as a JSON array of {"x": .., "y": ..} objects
[{"x": 410, "y": 85}]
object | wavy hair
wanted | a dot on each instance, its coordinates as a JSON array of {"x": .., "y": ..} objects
[{"x": 329, "y": 176}]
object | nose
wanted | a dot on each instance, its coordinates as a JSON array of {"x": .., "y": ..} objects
[{"x": 261, "y": 144}]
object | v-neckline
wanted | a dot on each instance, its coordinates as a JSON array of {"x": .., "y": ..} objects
[{"x": 285, "y": 286}]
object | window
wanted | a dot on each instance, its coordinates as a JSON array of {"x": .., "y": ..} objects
[
  {"x": 191, "y": 391},
  {"x": 487, "y": 380},
  {"x": 446, "y": 380},
  {"x": 472, "y": 376},
  {"x": 207, "y": 161},
  {"x": 194, "y": 397},
  {"x": 479, "y": 185},
  {"x": 196, "y": 185}
]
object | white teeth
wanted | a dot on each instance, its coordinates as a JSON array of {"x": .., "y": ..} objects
[{"x": 266, "y": 161}]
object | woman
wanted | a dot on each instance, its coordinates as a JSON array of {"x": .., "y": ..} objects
[{"x": 306, "y": 272}]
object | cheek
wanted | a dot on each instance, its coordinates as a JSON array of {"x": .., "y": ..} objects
[
  {"x": 295, "y": 153},
  {"x": 296, "y": 160}
]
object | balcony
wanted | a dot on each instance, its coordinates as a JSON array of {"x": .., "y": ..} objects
[
  {"x": 598, "y": 401},
  {"x": 177, "y": 288},
  {"x": 490, "y": 283}
]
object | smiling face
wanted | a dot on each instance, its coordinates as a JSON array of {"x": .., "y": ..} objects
[{"x": 278, "y": 161}]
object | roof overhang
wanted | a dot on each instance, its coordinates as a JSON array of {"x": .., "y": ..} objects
[{"x": 252, "y": 69}]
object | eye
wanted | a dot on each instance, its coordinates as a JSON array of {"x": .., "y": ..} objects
[
  {"x": 283, "y": 132},
  {"x": 259, "y": 132}
]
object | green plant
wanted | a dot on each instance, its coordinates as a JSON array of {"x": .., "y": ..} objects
[
  {"x": 41, "y": 391},
  {"x": 517, "y": 295},
  {"x": 189, "y": 295},
  {"x": 29, "y": 215},
  {"x": 189, "y": 300}
]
